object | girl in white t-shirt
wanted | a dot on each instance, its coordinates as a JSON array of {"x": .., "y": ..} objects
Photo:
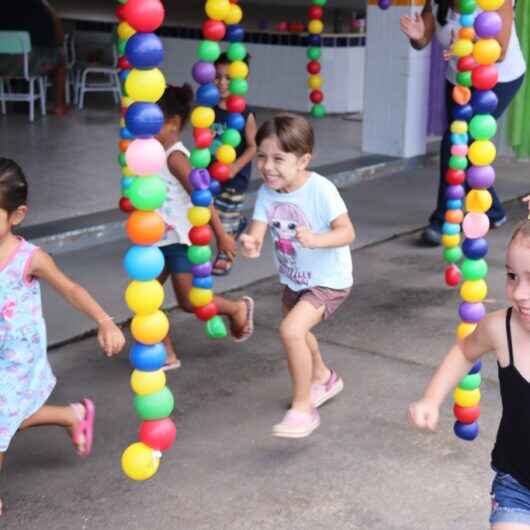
[{"x": 176, "y": 105}]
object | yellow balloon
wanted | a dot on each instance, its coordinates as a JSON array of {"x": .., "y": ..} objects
[
  {"x": 126, "y": 101},
  {"x": 449, "y": 241},
  {"x": 202, "y": 117},
  {"x": 144, "y": 383},
  {"x": 199, "y": 215},
  {"x": 478, "y": 201},
  {"x": 226, "y": 154},
  {"x": 234, "y": 16},
  {"x": 200, "y": 297},
  {"x": 466, "y": 398},
  {"x": 490, "y": 5},
  {"x": 314, "y": 82},
  {"x": 473, "y": 291},
  {"x": 125, "y": 31},
  {"x": 122, "y": 122},
  {"x": 217, "y": 9},
  {"x": 482, "y": 152},
  {"x": 144, "y": 298},
  {"x": 127, "y": 171},
  {"x": 150, "y": 329},
  {"x": 139, "y": 461},
  {"x": 464, "y": 329},
  {"x": 459, "y": 127},
  {"x": 238, "y": 70},
  {"x": 315, "y": 26},
  {"x": 462, "y": 47},
  {"x": 487, "y": 51},
  {"x": 145, "y": 85}
]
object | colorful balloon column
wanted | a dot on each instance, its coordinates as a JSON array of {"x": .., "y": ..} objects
[
  {"x": 472, "y": 133},
  {"x": 142, "y": 157},
  {"x": 314, "y": 52}
]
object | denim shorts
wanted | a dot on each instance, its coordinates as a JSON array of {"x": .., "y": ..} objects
[
  {"x": 510, "y": 501},
  {"x": 176, "y": 258}
]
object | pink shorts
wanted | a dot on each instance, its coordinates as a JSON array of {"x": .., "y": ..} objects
[{"x": 331, "y": 299}]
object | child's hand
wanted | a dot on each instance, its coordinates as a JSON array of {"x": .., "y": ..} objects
[
  {"x": 250, "y": 246},
  {"x": 424, "y": 414},
  {"x": 527, "y": 200},
  {"x": 110, "y": 338},
  {"x": 413, "y": 28},
  {"x": 306, "y": 238},
  {"x": 227, "y": 245}
]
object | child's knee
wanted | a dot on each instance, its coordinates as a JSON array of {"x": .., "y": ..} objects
[{"x": 289, "y": 331}]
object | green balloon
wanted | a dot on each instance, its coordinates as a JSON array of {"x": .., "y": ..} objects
[
  {"x": 318, "y": 110},
  {"x": 458, "y": 162},
  {"x": 319, "y": 2},
  {"x": 147, "y": 193},
  {"x": 474, "y": 269},
  {"x": 236, "y": 51},
  {"x": 154, "y": 406},
  {"x": 452, "y": 254},
  {"x": 231, "y": 137},
  {"x": 314, "y": 53},
  {"x": 467, "y": 7},
  {"x": 209, "y": 51},
  {"x": 127, "y": 192},
  {"x": 199, "y": 254},
  {"x": 470, "y": 382},
  {"x": 121, "y": 46},
  {"x": 121, "y": 160},
  {"x": 215, "y": 328},
  {"x": 482, "y": 127},
  {"x": 239, "y": 87},
  {"x": 200, "y": 158},
  {"x": 464, "y": 78}
]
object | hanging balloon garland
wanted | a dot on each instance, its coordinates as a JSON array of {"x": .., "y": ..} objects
[
  {"x": 472, "y": 121},
  {"x": 314, "y": 53},
  {"x": 141, "y": 158}
]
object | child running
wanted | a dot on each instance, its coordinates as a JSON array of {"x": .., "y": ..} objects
[
  {"x": 26, "y": 378},
  {"x": 176, "y": 105},
  {"x": 506, "y": 333},
  {"x": 311, "y": 231}
]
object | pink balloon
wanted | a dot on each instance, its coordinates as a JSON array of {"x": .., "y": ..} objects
[
  {"x": 459, "y": 150},
  {"x": 145, "y": 156},
  {"x": 476, "y": 225}
]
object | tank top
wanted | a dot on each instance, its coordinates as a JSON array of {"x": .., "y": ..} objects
[
  {"x": 513, "y": 65},
  {"x": 174, "y": 211},
  {"x": 510, "y": 453}
]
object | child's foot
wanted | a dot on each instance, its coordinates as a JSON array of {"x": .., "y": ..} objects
[
  {"x": 82, "y": 430},
  {"x": 297, "y": 424},
  {"x": 172, "y": 363},
  {"x": 322, "y": 392},
  {"x": 242, "y": 323},
  {"x": 1, "y": 507}
]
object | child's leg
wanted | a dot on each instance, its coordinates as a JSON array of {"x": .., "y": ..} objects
[
  {"x": 172, "y": 359},
  {"x": 2, "y": 455},
  {"x": 510, "y": 526}
]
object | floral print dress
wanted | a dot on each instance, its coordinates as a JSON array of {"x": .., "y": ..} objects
[{"x": 26, "y": 378}]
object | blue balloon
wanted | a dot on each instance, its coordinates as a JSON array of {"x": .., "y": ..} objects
[
  {"x": 215, "y": 187},
  {"x": 475, "y": 248},
  {"x": 201, "y": 198},
  {"x": 314, "y": 40},
  {"x": 147, "y": 358},
  {"x": 235, "y": 33},
  {"x": 462, "y": 112},
  {"x": 454, "y": 204},
  {"x": 144, "y": 263},
  {"x": 126, "y": 182},
  {"x": 476, "y": 368},
  {"x": 235, "y": 121},
  {"x": 144, "y": 50},
  {"x": 467, "y": 20},
  {"x": 144, "y": 119},
  {"x": 460, "y": 139},
  {"x": 451, "y": 229},
  {"x": 203, "y": 283},
  {"x": 208, "y": 95},
  {"x": 215, "y": 145},
  {"x": 123, "y": 75},
  {"x": 466, "y": 431},
  {"x": 484, "y": 101},
  {"x": 125, "y": 134}
]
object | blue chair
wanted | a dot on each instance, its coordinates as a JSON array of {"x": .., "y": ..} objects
[{"x": 19, "y": 43}]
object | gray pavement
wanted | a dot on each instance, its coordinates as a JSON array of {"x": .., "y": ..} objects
[{"x": 364, "y": 468}]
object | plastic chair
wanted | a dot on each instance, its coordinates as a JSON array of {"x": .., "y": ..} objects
[{"x": 19, "y": 43}]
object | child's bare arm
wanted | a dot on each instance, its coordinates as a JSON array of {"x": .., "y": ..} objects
[
  {"x": 341, "y": 233},
  {"x": 252, "y": 240},
  {"x": 250, "y": 152}
]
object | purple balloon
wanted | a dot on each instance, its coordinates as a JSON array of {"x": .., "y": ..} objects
[
  {"x": 488, "y": 24},
  {"x": 455, "y": 192},
  {"x": 202, "y": 270},
  {"x": 203, "y": 72},
  {"x": 481, "y": 177},
  {"x": 200, "y": 179},
  {"x": 484, "y": 101},
  {"x": 471, "y": 312},
  {"x": 384, "y": 4}
]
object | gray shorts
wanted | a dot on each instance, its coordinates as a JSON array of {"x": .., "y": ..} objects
[{"x": 331, "y": 299}]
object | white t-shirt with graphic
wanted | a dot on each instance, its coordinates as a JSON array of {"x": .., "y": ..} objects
[{"x": 315, "y": 205}]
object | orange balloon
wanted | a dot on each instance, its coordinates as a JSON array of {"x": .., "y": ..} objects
[
  {"x": 466, "y": 33},
  {"x": 454, "y": 216},
  {"x": 123, "y": 144},
  {"x": 145, "y": 228},
  {"x": 461, "y": 94}
]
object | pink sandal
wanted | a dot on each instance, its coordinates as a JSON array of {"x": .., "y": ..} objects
[
  {"x": 248, "y": 330},
  {"x": 84, "y": 428}
]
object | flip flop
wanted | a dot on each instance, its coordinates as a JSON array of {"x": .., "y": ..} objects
[
  {"x": 218, "y": 271},
  {"x": 248, "y": 330},
  {"x": 84, "y": 428},
  {"x": 171, "y": 366}
]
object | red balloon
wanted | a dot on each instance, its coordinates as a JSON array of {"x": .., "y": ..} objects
[
  {"x": 158, "y": 434},
  {"x": 467, "y": 63},
  {"x": 213, "y": 29},
  {"x": 126, "y": 205},
  {"x": 200, "y": 235},
  {"x": 485, "y": 77},
  {"x": 119, "y": 11},
  {"x": 203, "y": 137},
  {"x": 236, "y": 104},
  {"x": 220, "y": 171},
  {"x": 466, "y": 414},
  {"x": 123, "y": 63},
  {"x": 315, "y": 12},
  {"x": 316, "y": 96},
  {"x": 452, "y": 275},
  {"x": 455, "y": 176},
  {"x": 144, "y": 15},
  {"x": 206, "y": 311},
  {"x": 313, "y": 67}
]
